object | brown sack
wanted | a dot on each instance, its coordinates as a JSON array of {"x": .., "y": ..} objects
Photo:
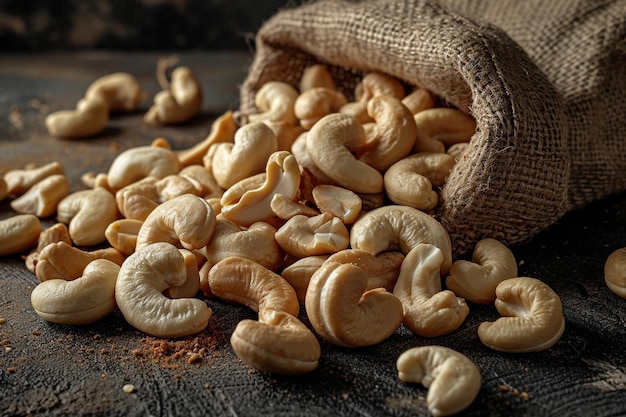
[{"x": 545, "y": 80}]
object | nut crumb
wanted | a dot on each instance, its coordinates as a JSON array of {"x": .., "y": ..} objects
[
  {"x": 128, "y": 388},
  {"x": 194, "y": 358},
  {"x": 2, "y": 320},
  {"x": 11, "y": 369},
  {"x": 35, "y": 332}
]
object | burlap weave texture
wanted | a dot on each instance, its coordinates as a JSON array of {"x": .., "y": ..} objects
[{"x": 545, "y": 80}]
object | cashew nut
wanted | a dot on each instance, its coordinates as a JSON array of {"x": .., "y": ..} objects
[
  {"x": 203, "y": 180},
  {"x": 418, "y": 100},
  {"x": 120, "y": 91},
  {"x": 358, "y": 110},
  {"x": 141, "y": 281},
  {"x": 299, "y": 273},
  {"x": 285, "y": 133},
  {"x": 179, "y": 103},
  {"x": 275, "y": 100},
  {"x": 191, "y": 286},
  {"x": 452, "y": 379},
  {"x": 81, "y": 301},
  {"x": 285, "y": 208},
  {"x": 89, "y": 118},
  {"x": 21, "y": 180},
  {"x": 315, "y": 103},
  {"x": 299, "y": 151},
  {"x": 222, "y": 130},
  {"x": 615, "y": 272},
  {"x": 19, "y": 233},
  {"x": 122, "y": 234},
  {"x": 382, "y": 270},
  {"x": 533, "y": 317},
  {"x": 43, "y": 198},
  {"x": 344, "y": 312},
  {"x": 339, "y": 201},
  {"x": 374, "y": 84},
  {"x": 303, "y": 236},
  {"x": 56, "y": 233},
  {"x": 330, "y": 143},
  {"x": 442, "y": 127},
  {"x": 400, "y": 227},
  {"x": 316, "y": 76},
  {"x": 476, "y": 281},
  {"x": 428, "y": 311},
  {"x": 186, "y": 220},
  {"x": 140, "y": 162}
]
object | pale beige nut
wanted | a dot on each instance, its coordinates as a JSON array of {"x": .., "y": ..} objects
[
  {"x": 186, "y": 220},
  {"x": 376, "y": 84},
  {"x": 285, "y": 133},
  {"x": 299, "y": 273},
  {"x": 411, "y": 180},
  {"x": 95, "y": 180},
  {"x": 428, "y": 311},
  {"x": 190, "y": 287},
  {"x": 88, "y": 119},
  {"x": 275, "y": 101},
  {"x": 339, "y": 201},
  {"x": 122, "y": 234},
  {"x": 418, "y": 100},
  {"x": 203, "y": 180},
  {"x": 532, "y": 317},
  {"x": 56, "y": 233},
  {"x": 61, "y": 260},
  {"x": 457, "y": 150},
  {"x": 119, "y": 90},
  {"x": 476, "y": 281},
  {"x": 442, "y": 127},
  {"x": 255, "y": 342},
  {"x": 286, "y": 208},
  {"x": 396, "y": 227},
  {"x": 88, "y": 213},
  {"x": 392, "y": 137},
  {"x": 342, "y": 310},
  {"x": 21, "y": 180},
  {"x": 178, "y": 104},
  {"x": 303, "y": 236},
  {"x": 452, "y": 379},
  {"x": 330, "y": 144},
  {"x": 299, "y": 151},
  {"x": 615, "y": 272},
  {"x": 316, "y": 75},
  {"x": 315, "y": 103},
  {"x": 19, "y": 233},
  {"x": 255, "y": 243},
  {"x": 43, "y": 198},
  {"x": 143, "y": 278},
  {"x": 358, "y": 110},
  {"x": 140, "y": 162},
  {"x": 81, "y": 301},
  {"x": 222, "y": 130}
]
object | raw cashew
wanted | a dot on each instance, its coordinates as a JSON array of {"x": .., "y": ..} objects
[
  {"x": 120, "y": 91},
  {"x": 191, "y": 286},
  {"x": 382, "y": 270},
  {"x": 418, "y": 100},
  {"x": 344, "y": 312},
  {"x": 21, "y": 180},
  {"x": 222, "y": 130},
  {"x": 140, "y": 162},
  {"x": 179, "y": 103},
  {"x": 122, "y": 234},
  {"x": 81, "y": 301},
  {"x": 286, "y": 208},
  {"x": 315, "y": 103},
  {"x": 452, "y": 379},
  {"x": 339, "y": 201},
  {"x": 141, "y": 281},
  {"x": 186, "y": 220},
  {"x": 303, "y": 236},
  {"x": 400, "y": 227},
  {"x": 533, "y": 317},
  {"x": 19, "y": 233},
  {"x": 358, "y": 110},
  {"x": 376, "y": 84},
  {"x": 442, "y": 127},
  {"x": 56, "y": 233},
  {"x": 615, "y": 272},
  {"x": 330, "y": 143},
  {"x": 299, "y": 151},
  {"x": 476, "y": 281},
  {"x": 203, "y": 180},
  {"x": 89, "y": 118},
  {"x": 275, "y": 100},
  {"x": 299, "y": 273},
  {"x": 316, "y": 76},
  {"x": 88, "y": 213},
  {"x": 285, "y": 133},
  {"x": 428, "y": 311},
  {"x": 43, "y": 198}
]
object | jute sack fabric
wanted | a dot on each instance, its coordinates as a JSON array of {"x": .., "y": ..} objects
[{"x": 545, "y": 80}]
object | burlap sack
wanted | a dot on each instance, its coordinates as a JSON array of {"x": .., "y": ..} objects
[{"x": 545, "y": 80}]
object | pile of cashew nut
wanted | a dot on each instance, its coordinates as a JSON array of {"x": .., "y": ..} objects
[{"x": 316, "y": 202}]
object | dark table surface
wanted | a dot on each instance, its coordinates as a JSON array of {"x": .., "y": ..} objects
[{"x": 53, "y": 370}]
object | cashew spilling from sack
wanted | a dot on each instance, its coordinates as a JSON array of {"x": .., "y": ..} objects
[
  {"x": 315, "y": 103},
  {"x": 21, "y": 180},
  {"x": 316, "y": 75},
  {"x": 119, "y": 90},
  {"x": 533, "y": 317},
  {"x": 615, "y": 272},
  {"x": 222, "y": 130},
  {"x": 476, "y": 281},
  {"x": 344, "y": 312},
  {"x": 275, "y": 100},
  {"x": 143, "y": 278},
  {"x": 140, "y": 162},
  {"x": 180, "y": 102},
  {"x": 19, "y": 233},
  {"x": 89, "y": 118},
  {"x": 303, "y": 236},
  {"x": 84, "y": 300},
  {"x": 441, "y": 127},
  {"x": 428, "y": 311},
  {"x": 453, "y": 380},
  {"x": 418, "y": 100},
  {"x": 43, "y": 198},
  {"x": 374, "y": 84}
]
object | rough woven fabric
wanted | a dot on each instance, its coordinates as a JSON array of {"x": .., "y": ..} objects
[{"x": 545, "y": 80}]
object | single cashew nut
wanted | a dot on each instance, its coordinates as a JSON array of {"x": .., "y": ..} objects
[
  {"x": 339, "y": 201},
  {"x": 303, "y": 236},
  {"x": 56, "y": 233},
  {"x": 358, "y": 110},
  {"x": 533, "y": 317},
  {"x": 178, "y": 104},
  {"x": 476, "y": 281},
  {"x": 203, "y": 180},
  {"x": 191, "y": 286},
  {"x": 428, "y": 311},
  {"x": 285, "y": 208},
  {"x": 418, "y": 100},
  {"x": 316, "y": 76},
  {"x": 275, "y": 100},
  {"x": 615, "y": 272},
  {"x": 89, "y": 118},
  {"x": 141, "y": 281},
  {"x": 120, "y": 91},
  {"x": 286, "y": 134},
  {"x": 329, "y": 144},
  {"x": 299, "y": 151},
  {"x": 81, "y": 301},
  {"x": 43, "y": 198},
  {"x": 442, "y": 127},
  {"x": 140, "y": 162},
  {"x": 19, "y": 233},
  {"x": 299, "y": 273},
  {"x": 452, "y": 379},
  {"x": 122, "y": 234},
  {"x": 382, "y": 270},
  {"x": 315, "y": 103},
  {"x": 400, "y": 227},
  {"x": 21, "y": 180},
  {"x": 344, "y": 312},
  {"x": 376, "y": 84},
  {"x": 222, "y": 130}
]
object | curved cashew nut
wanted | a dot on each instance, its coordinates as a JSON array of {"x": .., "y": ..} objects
[
  {"x": 442, "y": 127},
  {"x": 299, "y": 151},
  {"x": 428, "y": 311},
  {"x": 255, "y": 343},
  {"x": 344, "y": 312},
  {"x": 282, "y": 177},
  {"x": 452, "y": 379},
  {"x": 88, "y": 213},
  {"x": 21, "y": 180},
  {"x": 19, "y": 233},
  {"x": 140, "y": 162},
  {"x": 275, "y": 100},
  {"x": 400, "y": 227},
  {"x": 615, "y": 272},
  {"x": 382, "y": 270},
  {"x": 476, "y": 281},
  {"x": 285, "y": 208},
  {"x": 142, "y": 279},
  {"x": 191, "y": 286},
  {"x": 180, "y": 103},
  {"x": 186, "y": 220},
  {"x": 248, "y": 155},
  {"x": 339, "y": 201},
  {"x": 329, "y": 144},
  {"x": 286, "y": 134},
  {"x": 120, "y": 91},
  {"x": 376, "y": 84},
  {"x": 394, "y": 135},
  {"x": 43, "y": 198},
  {"x": 418, "y": 100},
  {"x": 533, "y": 317},
  {"x": 316, "y": 76},
  {"x": 222, "y": 130},
  {"x": 89, "y": 118},
  {"x": 203, "y": 180},
  {"x": 81, "y": 301},
  {"x": 299, "y": 273},
  {"x": 315, "y": 103},
  {"x": 410, "y": 181},
  {"x": 358, "y": 110},
  {"x": 122, "y": 234},
  {"x": 56, "y": 233},
  {"x": 303, "y": 236}
]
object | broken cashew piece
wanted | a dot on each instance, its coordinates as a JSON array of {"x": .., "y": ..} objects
[
  {"x": 339, "y": 201},
  {"x": 303, "y": 236},
  {"x": 428, "y": 311},
  {"x": 119, "y": 90},
  {"x": 88, "y": 119},
  {"x": 533, "y": 317},
  {"x": 178, "y": 104},
  {"x": 122, "y": 235},
  {"x": 56, "y": 233},
  {"x": 21, "y": 180},
  {"x": 19, "y": 233},
  {"x": 43, "y": 198},
  {"x": 222, "y": 130},
  {"x": 476, "y": 281},
  {"x": 143, "y": 278},
  {"x": 452, "y": 379},
  {"x": 615, "y": 272},
  {"x": 275, "y": 100},
  {"x": 84, "y": 300}
]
